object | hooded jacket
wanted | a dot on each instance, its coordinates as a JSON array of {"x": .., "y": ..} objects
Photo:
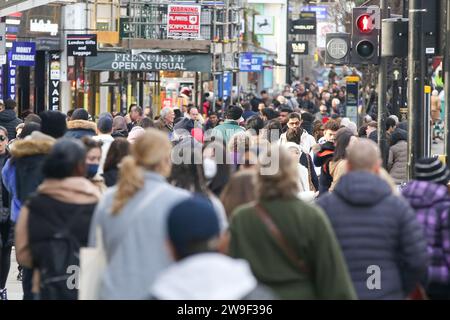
[
  {"x": 398, "y": 156},
  {"x": 209, "y": 276},
  {"x": 431, "y": 202},
  {"x": 22, "y": 174},
  {"x": 80, "y": 128},
  {"x": 376, "y": 229},
  {"x": 9, "y": 120},
  {"x": 322, "y": 159}
]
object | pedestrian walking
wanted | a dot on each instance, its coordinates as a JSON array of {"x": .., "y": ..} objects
[
  {"x": 9, "y": 119},
  {"x": 119, "y": 149},
  {"x": 398, "y": 156},
  {"x": 104, "y": 131},
  {"x": 54, "y": 223},
  {"x": 80, "y": 126},
  {"x": 377, "y": 230},
  {"x": 239, "y": 190}
]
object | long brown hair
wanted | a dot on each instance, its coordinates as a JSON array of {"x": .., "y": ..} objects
[
  {"x": 151, "y": 151},
  {"x": 239, "y": 190}
]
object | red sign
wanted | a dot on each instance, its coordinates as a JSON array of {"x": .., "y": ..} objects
[{"x": 183, "y": 22}]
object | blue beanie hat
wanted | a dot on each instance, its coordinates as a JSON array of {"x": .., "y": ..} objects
[
  {"x": 192, "y": 221},
  {"x": 105, "y": 123}
]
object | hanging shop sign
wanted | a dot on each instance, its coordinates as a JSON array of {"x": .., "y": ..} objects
[
  {"x": 250, "y": 63},
  {"x": 183, "y": 22},
  {"x": 11, "y": 86},
  {"x": 48, "y": 44},
  {"x": 54, "y": 79},
  {"x": 23, "y": 54},
  {"x": 149, "y": 62},
  {"x": 307, "y": 24},
  {"x": 298, "y": 47},
  {"x": 82, "y": 45}
]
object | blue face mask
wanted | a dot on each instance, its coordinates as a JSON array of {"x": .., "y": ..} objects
[{"x": 92, "y": 170}]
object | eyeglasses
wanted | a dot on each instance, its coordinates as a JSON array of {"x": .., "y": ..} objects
[{"x": 3, "y": 138}]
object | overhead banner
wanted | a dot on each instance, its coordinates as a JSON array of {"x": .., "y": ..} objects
[
  {"x": 82, "y": 45},
  {"x": 307, "y": 24},
  {"x": 23, "y": 54},
  {"x": 109, "y": 61},
  {"x": 183, "y": 22}
]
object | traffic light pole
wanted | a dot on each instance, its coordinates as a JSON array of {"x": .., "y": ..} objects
[
  {"x": 416, "y": 97},
  {"x": 382, "y": 89},
  {"x": 447, "y": 83}
]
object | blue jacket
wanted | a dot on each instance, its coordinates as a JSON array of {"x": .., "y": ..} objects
[
  {"x": 376, "y": 228},
  {"x": 9, "y": 181}
]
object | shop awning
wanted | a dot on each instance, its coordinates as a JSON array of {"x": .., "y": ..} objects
[{"x": 144, "y": 62}]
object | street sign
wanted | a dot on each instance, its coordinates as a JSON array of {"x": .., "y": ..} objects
[
  {"x": 250, "y": 63},
  {"x": 307, "y": 24},
  {"x": 352, "y": 98},
  {"x": 298, "y": 47},
  {"x": 23, "y": 54},
  {"x": 11, "y": 78},
  {"x": 183, "y": 22},
  {"x": 55, "y": 73},
  {"x": 82, "y": 45}
]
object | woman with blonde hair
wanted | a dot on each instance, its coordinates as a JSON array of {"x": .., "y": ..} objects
[
  {"x": 132, "y": 217},
  {"x": 289, "y": 244}
]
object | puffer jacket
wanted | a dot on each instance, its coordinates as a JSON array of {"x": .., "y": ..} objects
[
  {"x": 9, "y": 121},
  {"x": 398, "y": 156},
  {"x": 431, "y": 202},
  {"x": 377, "y": 230},
  {"x": 80, "y": 128}
]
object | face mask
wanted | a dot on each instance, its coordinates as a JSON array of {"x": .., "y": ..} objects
[
  {"x": 92, "y": 170},
  {"x": 209, "y": 168}
]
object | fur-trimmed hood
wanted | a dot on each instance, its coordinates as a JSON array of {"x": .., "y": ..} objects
[
  {"x": 35, "y": 144},
  {"x": 81, "y": 124}
]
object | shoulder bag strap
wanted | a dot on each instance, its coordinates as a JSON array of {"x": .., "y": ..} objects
[{"x": 280, "y": 239}]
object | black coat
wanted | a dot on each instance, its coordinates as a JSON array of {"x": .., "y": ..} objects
[
  {"x": 376, "y": 228},
  {"x": 9, "y": 121}
]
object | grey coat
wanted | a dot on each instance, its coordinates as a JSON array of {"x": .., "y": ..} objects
[
  {"x": 398, "y": 157},
  {"x": 134, "y": 239}
]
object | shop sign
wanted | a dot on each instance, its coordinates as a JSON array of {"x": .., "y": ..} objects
[
  {"x": 250, "y": 63},
  {"x": 54, "y": 79},
  {"x": 44, "y": 26},
  {"x": 183, "y": 22},
  {"x": 11, "y": 87},
  {"x": 307, "y": 24},
  {"x": 48, "y": 44},
  {"x": 81, "y": 45},
  {"x": 298, "y": 47},
  {"x": 23, "y": 54},
  {"x": 144, "y": 62}
]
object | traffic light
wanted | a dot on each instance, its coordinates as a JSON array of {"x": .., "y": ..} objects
[
  {"x": 394, "y": 37},
  {"x": 365, "y": 33},
  {"x": 337, "y": 49}
]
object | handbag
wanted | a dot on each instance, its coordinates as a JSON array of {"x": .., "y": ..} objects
[
  {"x": 93, "y": 262},
  {"x": 280, "y": 239}
]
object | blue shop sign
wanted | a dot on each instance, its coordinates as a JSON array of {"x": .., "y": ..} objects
[
  {"x": 251, "y": 63},
  {"x": 23, "y": 54}
]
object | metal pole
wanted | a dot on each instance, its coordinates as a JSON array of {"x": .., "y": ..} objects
[
  {"x": 415, "y": 86},
  {"x": 382, "y": 89},
  {"x": 288, "y": 56},
  {"x": 447, "y": 82}
]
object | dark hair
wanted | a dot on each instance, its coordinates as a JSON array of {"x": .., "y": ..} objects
[
  {"x": 272, "y": 125},
  {"x": 26, "y": 113},
  {"x": 295, "y": 115},
  {"x": 270, "y": 113},
  {"x": 131, "y": 107},
  {"x": 189, "y": 176},
  {"x": 331, "y": 125},
  {"x": 285, "y": 109},
  {"x": 69, "y": 113},
  {"x": 146, "y": 122},
  {"x": 90, "y": 143},
  {"x": 307, "y": 117},
  {"x": 53, "y": 123},
  {"x": 190, "y": 107},
  {"x": 119, "y": 148},
  {"x": 10, "y": 104},
  {"x": 263, "y": 92},
  {"x": 255, "y": 123},
  {"x": 28, "y": 128},
  {"x": 63, "y": 159},
  {"x": 343, "y": 137},
  {"x": 390, "y": 123},
  {"x": 139, "y": 110},
  {"x": 32, "y": 118},
  {"x": 224, "y": 170},
  {"x": 293, "y": 135}
]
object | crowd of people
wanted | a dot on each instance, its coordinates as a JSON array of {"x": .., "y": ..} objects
[{"x": 280, "y": 198}]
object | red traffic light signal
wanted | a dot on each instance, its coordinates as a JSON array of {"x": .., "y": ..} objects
[{"x": 365, "y": 23}]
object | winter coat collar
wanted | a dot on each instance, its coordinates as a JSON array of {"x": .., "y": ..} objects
[
  {"x": 77, "y": 190},
  {"x": 81, "y": 124},
  {"x": 362, "y": 188},
  {"x": 35, "y": 144}
]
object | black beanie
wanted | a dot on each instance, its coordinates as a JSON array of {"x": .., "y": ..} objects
[{"x": 53, "y": 123}]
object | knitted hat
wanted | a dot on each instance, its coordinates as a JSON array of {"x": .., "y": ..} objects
[
  {"x": 80, "y": 114},
  {"x": 53, "y": 123},
  {"x": 433, "y": 170},
  {"x": 105, "y": 123},
  {"x": 191, "y": 222}
]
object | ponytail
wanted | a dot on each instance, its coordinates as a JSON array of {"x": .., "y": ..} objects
[{"x": 131, "y": 180}]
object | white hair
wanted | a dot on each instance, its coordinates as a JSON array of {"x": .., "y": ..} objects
[
  {"x": 336, "y": 101},
  {"x": 165, "y": 111}
]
